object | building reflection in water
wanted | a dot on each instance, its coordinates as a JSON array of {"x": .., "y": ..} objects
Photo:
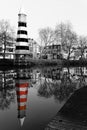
[
  {"x": 7, "y": 78},
  {"x": 7, "y": 89},
  {"x": 22, "y": 84}
]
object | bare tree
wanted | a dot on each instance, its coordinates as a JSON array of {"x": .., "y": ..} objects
[
  {"x": 60, "y": 32},
  {"x": 46, "y": 36},
  {"x": 65, "y": 35},
  {"x": 70, "y": 41},
  {"x": 6, "y": 34}
]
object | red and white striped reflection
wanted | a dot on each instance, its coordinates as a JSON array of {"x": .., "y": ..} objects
[{"x": 22, "y": 92}]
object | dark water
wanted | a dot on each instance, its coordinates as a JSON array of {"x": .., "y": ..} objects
[{"x": 31, "y": 98}]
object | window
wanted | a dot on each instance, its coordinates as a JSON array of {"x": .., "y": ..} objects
[
  {"x": 55, "y": 47},
  {"x": 10, "y": 49}
]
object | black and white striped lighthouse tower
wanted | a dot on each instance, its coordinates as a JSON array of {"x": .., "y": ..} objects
[{"x": 22, "y": 48}]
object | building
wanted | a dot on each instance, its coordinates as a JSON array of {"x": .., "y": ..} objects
[
  {"x": 52, "y": 52},
  {"x": 7, "y": 50},
  {"x": 34, "y": 48},
  {"x": 85, "y": 52},
  {"x": 76, "y": 53}
]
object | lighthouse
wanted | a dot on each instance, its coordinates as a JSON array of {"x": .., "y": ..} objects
[{"x": 22, "y": 47}]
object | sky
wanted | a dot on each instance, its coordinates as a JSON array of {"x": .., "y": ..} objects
[{"x": 46, "y": 13}]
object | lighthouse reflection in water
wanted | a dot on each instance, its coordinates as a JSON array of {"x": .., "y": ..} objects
[{"x": 22, "y": 93}]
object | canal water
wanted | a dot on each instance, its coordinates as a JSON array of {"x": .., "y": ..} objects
[{"x": 31, "y": 98}]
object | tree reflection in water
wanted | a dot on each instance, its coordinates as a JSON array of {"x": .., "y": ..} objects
[
  {"x": 66, "y": 88},
  {"x": 60, "y": 83},
  {"x": 57, "y": 82},
  {"x": 6, "y": 98},
  {"x": 45, "y": 90}
]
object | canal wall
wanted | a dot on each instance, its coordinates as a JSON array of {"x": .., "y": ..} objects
[
  {"x": 30, "y": 63},
  {"x": 41, "y": 63},
  {"x": 74, "y": 63},
  {"x": 73, "y": 115}
]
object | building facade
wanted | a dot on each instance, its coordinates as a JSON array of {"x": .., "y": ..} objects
[
  {"x": 7, "y": 50},
  {"x": 52, "y": 52},
  {"x": 34, "y": 49}
]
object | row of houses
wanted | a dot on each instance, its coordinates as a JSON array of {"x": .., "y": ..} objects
[
  {"x": 7, "y": 51},
  {"x": 53, "y": 51}
]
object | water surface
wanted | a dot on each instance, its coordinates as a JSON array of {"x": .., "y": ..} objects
[{"x": 31, "y": 98}]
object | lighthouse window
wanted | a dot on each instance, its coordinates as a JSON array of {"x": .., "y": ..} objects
[
  {"x": 22, "y": 32},
  {"x": 21, "y": 24},
  {"x": 22, "y": 40},
  {"x": 22, "y": 48}
]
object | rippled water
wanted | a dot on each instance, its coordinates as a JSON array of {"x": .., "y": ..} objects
[{"x": 31, "y": 98}]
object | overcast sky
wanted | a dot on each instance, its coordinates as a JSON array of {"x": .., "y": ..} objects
[{"x": 43, "y": 13}]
